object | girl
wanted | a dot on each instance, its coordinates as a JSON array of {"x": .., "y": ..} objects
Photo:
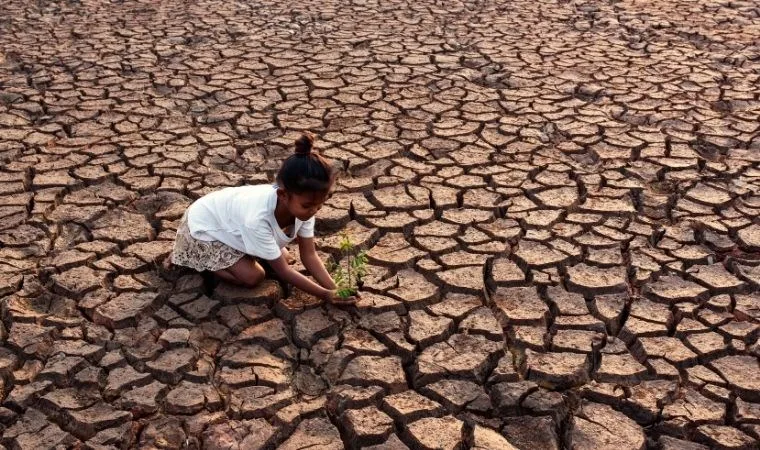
[{"x": 226, "y": 231}]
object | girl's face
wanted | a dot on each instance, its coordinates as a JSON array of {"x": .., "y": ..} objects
[{"x": 304, "y": 206}]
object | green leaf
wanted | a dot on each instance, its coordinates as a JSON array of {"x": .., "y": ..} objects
[
  {"x": 339, "y": 277},
  {"x": 345, "y": 243},
  {"x": 345, "y": 293},
  {"x": 360, "y": 262}
]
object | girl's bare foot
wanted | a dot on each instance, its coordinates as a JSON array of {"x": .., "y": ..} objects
[{"x": 168, "y": 264}]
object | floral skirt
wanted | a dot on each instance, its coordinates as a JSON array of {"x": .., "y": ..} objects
[{"x": 202, "y": 255}]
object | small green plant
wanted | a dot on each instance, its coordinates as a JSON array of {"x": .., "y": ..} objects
[{"x": 348, "y": 278}]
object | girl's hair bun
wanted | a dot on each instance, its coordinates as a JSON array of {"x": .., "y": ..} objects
[
  {"x": 306, "y": 170},
  {"x": 304, "y": 144}
]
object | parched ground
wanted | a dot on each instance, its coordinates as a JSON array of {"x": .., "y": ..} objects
[{"x": 559, "y": 198}]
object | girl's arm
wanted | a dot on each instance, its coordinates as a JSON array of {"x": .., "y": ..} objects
[{"x": 313, "y": 264}]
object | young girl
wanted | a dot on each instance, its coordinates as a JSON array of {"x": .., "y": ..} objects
[{"x": 226, "y": 231}]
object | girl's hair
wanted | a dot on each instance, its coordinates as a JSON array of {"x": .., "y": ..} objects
[{"x": 306, "y": 170}]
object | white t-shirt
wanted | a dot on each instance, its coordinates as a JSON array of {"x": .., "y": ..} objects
[{"x": 243, "y": 218}]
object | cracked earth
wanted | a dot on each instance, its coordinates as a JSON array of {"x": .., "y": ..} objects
[{"x": 559, "y": 199}]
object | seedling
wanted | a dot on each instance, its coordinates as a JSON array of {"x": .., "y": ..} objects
[{"x": 348, "y": 278}]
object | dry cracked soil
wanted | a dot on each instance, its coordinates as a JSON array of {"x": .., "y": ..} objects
[{"x": 559, "y": 199}]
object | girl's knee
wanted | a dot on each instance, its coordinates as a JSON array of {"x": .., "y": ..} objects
[
  {"x": 246, "y": 272},
  {"x": 256, "y": 275}
]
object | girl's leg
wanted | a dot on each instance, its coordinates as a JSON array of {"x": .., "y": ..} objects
[
  {"x": 167, "y": 264},
  {"x": 245, "y": 272}
]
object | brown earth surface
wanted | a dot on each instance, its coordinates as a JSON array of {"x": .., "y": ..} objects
[{"x": 560, "y": 200}]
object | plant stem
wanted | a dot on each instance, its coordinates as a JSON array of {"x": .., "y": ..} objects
[{"x": 348, "y": 264}]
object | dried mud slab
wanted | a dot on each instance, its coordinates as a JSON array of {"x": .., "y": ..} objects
[{"x": 559, "y": 201}]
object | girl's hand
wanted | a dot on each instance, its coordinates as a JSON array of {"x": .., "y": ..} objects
[
  {"x": 330, "y": 294},
  {"x": 289, "y": 258},
  {"x": 313, "y": 264},
  {"x": 336, "y": 299}
]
